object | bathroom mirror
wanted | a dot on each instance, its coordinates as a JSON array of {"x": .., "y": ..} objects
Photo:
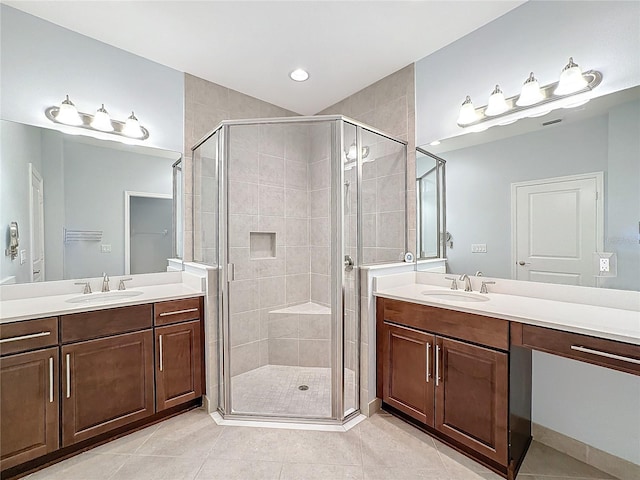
[
  {"x": 563, "y": 188},
  {"x": 86, "y": 206}
]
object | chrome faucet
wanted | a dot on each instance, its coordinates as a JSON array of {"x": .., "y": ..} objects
[
  {"x": 105, "y": 282},
  {"x": 454, "y": 283},
  {"x": 467, "y": 282},
  {"x": 121, "y": 285},
  {"x": 87, "y": 287}
]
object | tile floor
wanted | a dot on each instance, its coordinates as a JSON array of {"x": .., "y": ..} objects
[
  {"x": 273, "y": 389},
  {"x": 192, "y": 447}
]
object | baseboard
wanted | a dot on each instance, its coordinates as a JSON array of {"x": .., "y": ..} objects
[
  {"x": 616, "y": 466},
  {"x": 373, "y": 406}
]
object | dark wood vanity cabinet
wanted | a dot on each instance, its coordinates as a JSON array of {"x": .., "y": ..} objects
[
  {"x": 472, "y": 397},
  {"x": 408, "y": 384},
  {"x": 106, "y": 383},
  {"x": 71, "y": 382},
  {"x": 449, "y": 372},
  {"x": 29, "y": 379},
  {"x": 178, "y": 366},
  {"x": 28, "y": 406}
]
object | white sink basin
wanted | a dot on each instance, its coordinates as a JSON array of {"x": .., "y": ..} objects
[
  {"x": 104, "y": 297},
  {"x": 455, "y": 296}
]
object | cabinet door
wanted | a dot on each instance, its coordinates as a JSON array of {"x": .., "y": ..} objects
[
  {"x": 179, "y": 365},
  {"x": 407, "y": 372},
  {"x": 28, "y": 406},
  {"x": 106, "y": 383},
  {"x": 472, "y": 397}
]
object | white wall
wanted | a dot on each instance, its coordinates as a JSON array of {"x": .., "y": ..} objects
[
  {"x": 42, "y": 62},
  {"x": 15, "y": 156},
  {"x": 95, "y": 180},
  {"x": 537, "y": 36},
  {"x": 596, "y": 405},
  {"x": 540, "y": 36}
]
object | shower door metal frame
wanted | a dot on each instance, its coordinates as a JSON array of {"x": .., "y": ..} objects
[{"x": 225, "y": 269}]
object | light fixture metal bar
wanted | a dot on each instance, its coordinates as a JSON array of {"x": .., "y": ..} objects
[
  {"x": 118, "y": 126},
  {"x": 593, "y": 77}
]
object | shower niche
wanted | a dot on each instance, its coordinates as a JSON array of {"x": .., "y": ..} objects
[{"x": 278, "y": 204}]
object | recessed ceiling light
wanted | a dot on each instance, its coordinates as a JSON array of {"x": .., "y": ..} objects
[
  {"x": 435, "y": 142},
  {"x": 299, "y": 75}
]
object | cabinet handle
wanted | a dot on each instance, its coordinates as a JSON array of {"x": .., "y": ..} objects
[
  {"x": 160, "y": 342},
  {"x": 605, "y": 354},
  {"x": 50, "y": 379},
  {"x": 428, "y": 348},
  {"x": 68, "y": 377},
  {"x": 25, "y": 337},
  {"x": 178, "y": 312},
  {"x": 437, "y": 365}
]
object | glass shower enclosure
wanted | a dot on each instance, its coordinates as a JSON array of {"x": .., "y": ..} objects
[{"x": 279, "y": 211}]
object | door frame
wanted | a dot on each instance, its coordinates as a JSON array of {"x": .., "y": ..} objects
[
  {"x": 127, "y": 221},
  {"x": 33, "y": 173},
  {"x": 599, "y": 179}
]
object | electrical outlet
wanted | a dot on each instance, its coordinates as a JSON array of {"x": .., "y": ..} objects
[
  {"x": 478, "y": 248},
  {"x": 105, "y": 248},
  {"x": 604, "y": 264}
]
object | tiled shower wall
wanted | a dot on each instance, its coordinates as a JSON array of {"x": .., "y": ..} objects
[
  {"x": 388, "y": 105},
  {"x": 279, "y": 191}
]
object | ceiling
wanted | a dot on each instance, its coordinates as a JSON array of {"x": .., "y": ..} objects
[{"x": 251, "y": 46}]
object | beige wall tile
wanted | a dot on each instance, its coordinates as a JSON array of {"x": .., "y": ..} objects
[
  {"x": 283, "y": 351},
  {"x": 244, "y": 358},
  {"x": 315, "y": 353}
]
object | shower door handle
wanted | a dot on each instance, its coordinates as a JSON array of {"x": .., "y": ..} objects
[
  {"x": 231, "y": 272},
  {"x": 348, "y": 263}
]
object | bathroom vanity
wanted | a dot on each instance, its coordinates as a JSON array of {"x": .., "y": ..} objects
[
  {"x": 88, "y": 374},
  {"x": 461, "y": 370}
]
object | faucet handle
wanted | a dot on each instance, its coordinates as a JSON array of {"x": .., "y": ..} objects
[
  {"x": 483, "y": 288},
  {"x": 121, "y": 285},
  {"x": 454, "y": 282},
  {"x": 87, "y": 286}
]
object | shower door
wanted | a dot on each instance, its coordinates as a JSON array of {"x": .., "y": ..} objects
[{"x": 290, "y": 317}]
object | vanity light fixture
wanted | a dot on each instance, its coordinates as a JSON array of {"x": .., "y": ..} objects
[
  {"x": 67, "y": 114},
  {"x": 468, "y": 114},
  {"x": 299, "y": 75},
  {"x": 530, "y": 93},
  {"x": 102, "y": 121},
  {"x": 132, "y": 127},
  {"x": 497, "y": 103},
  {"x": 571, "y": 79},
  {"x": 541, "y": 100}
]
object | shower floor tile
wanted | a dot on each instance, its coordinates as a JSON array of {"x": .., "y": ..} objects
[{"x": 273, "y": 390}]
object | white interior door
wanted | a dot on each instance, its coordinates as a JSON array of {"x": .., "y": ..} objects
[
  {"x": 36, "y": 223},
  {"x": 557, "y": 226}
]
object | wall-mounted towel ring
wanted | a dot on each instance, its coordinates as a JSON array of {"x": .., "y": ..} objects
[{"x": 14, "y": 241}]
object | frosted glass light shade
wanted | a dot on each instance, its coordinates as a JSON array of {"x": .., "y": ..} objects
[
  {"x": 530, "y": 93},
  {"x": 571, "y": 80},
  {"x": 132, "y": 127},
  {"x": 468, "y": 113},
  {"x": 352, "y": 153},
  {"x": 102, "y": 121},
  {"x": 68, "y": 114},
  {"x": 497, "y": 103}
]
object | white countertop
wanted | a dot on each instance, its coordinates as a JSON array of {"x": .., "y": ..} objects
[
  {"x": 54, "y": 305},
  {"x": 597, "y": 321}
]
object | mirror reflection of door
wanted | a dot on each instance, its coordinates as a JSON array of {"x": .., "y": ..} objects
[
  {"x": 36, "y": 224},
  {"x": 150, "y": 226},
  {"x": 557, "y": 227}
]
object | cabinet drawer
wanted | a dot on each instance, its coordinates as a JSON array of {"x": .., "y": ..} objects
[
  {"x": 599, "y": 351},
  {"x": 85, "y": 326},
  {"x": 28, "y": 335},
  {"x": 488, "y": 331},
  {"x": 175, "y": 311}
]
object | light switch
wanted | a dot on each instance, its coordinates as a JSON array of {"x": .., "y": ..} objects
[
  {"x": 23, "y": 256},
  {"x": 478, "y": 248}
]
